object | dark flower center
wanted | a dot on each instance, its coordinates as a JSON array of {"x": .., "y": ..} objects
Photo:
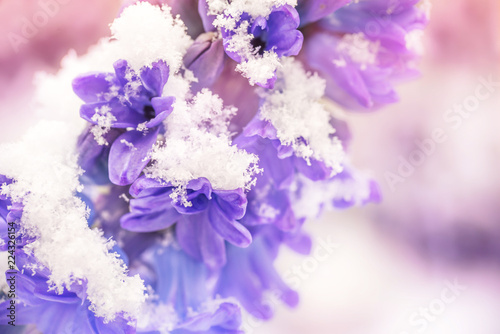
[
  {"x": 149, "y": 112},
  {"x": 260, "y": 44}
]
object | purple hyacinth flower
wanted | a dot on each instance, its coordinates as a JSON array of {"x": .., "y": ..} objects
[
  {"x": 277, "y": 33},
  {"x": 314, "y": 10},
  {"x": 181, "y": 282},
  {"x": 124, "y": 100},
  {"x": 202, "y": 228},
  {"x": 253, "y": 269},
  {"x": 363, "y": 49}
]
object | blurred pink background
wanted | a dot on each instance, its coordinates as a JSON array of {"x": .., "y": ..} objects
[{"x": 426, "y": 260}]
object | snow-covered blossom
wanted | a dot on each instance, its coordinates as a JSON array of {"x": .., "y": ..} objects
[{"x": 185, "y": 151}]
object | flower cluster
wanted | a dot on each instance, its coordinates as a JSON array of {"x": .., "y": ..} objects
[{"x": 208, "y": 133}]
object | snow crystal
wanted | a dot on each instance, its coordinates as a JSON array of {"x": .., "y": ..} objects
[
  {"x": 295, "y": 109},
  {"x": 46, "y": 176},
  {"x": 197, "y": 144},
  {"x": 128, "y": 144},
  {"x": 104, "y": 118},
  {"x": 145, "y": 33}
]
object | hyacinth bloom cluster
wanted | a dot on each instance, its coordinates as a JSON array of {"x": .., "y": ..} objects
[{"x": 191, "y": 148}]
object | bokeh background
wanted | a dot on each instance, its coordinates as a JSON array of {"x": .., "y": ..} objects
[{"x": 425, "y": 260}]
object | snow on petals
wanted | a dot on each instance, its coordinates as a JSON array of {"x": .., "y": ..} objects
[
  {"x": 197, "y": 144},
  {"x": 166, "y": 39},
  {"x": 295, "y": 109},
  {"x": 46, "y": 181}
]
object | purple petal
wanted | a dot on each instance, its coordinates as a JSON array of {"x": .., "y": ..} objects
[
  {"x": 125, "y": 162},
  {"x": 232, "y": 202},
  {"x": 206, "y": 59},
  {"x": 212, "y": 246},
  {"x": 187, "y": 231},
  {"x": 230, "y": 230},
  {"x": 121, "y": 70},
  {"x": 342, "y": 132},
  {"x": 145, "y": 186},
  {"x": 126, "y": 117},
  {"x": 156, "y": 77},
  {"x": 281, "y": 171},
  {"x": 344, "y": 83},
  {"x": 313, "y": 10},
  {"x": 199, "y": 194},
  {"x": 207, "y": 19},
  {"x": 163, "y": 107},
  {"x": 41, "y": 292},
  {"x": 155, "y": 221},
  {"x": 156, "y": 202},
  {"x": 260, "y": 127},
  {"x": 283, "y": 36},
  {"x": 316, "y": 171},
  {"x": 90, "y": 86},
  {"x": 199, "y": 240}
]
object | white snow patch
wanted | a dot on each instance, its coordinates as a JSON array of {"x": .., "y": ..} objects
[
  {"x": 198, "y": 144},
  {"x": 145, "y": 33}
]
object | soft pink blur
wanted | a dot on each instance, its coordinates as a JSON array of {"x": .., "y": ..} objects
[
  {"x": 441, "y": 224},
  {"x": 35, "y": 36}
]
